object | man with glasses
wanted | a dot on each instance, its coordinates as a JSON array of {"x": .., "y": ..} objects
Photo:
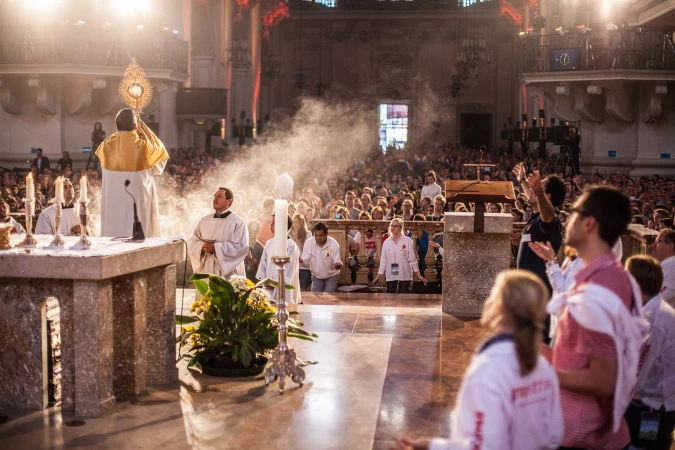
[
  {"x": 600, "y": 329},
  {"x": 664, "y": 252}
]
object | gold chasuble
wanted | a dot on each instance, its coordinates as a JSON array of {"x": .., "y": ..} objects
[{"x": 132, "y": 151}]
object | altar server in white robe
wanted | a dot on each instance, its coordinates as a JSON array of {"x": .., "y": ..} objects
[
  {"x": 267, "y": 269},
  {"x": 70, "y": 215},
  {"x": 134, "y": 153},
  {"x": 219, "y": 243}
]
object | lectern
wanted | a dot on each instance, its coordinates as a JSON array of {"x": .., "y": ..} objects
[
  {"x": 477, "y": 246},
  {"x": 480, "y": 193}
]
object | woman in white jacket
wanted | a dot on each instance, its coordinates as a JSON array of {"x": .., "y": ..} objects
[
  {"x": 398, "y": 260},
  {"x": 509, "y": 398}
]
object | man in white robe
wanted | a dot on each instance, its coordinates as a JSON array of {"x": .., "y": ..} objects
[
  {"x": 70, "y": 215},
  {"x": 267, "y": 269},
  {"x": 219, "y": 243},
  {"x": 134, "y": 153},
  {"x": 6, "y": 219}
]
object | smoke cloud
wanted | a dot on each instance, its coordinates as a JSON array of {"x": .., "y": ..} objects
[{"x": 322, "y": 139}]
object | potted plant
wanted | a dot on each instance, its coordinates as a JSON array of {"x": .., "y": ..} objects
[{"x": 233, "y": 327}]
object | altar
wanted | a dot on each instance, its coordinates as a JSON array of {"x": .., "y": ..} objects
[{"x": 116, "y": 303}]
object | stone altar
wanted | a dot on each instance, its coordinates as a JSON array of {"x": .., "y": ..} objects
[
  {"x": 471, "y": 261},
  {"x": 117, "y": 305}
]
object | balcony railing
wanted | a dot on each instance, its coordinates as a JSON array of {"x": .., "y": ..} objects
[
  {"x": 625, "y": 48},
  {"x": 71, "y": 45},
  {"x": 395, "y": 5}
]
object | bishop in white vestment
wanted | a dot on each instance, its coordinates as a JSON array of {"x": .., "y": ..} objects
[
  {"x": 219, "y": 243},
  {"x": 267, "y": 269},
  {"x": 134, "y": 153}
]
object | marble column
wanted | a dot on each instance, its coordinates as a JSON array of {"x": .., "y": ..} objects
[
  {"x": 129, "y": 337},
  {"x": 471, "y": 261},
  {"x": 161, "y": 325},
  {"x": 93, "y": 347}
]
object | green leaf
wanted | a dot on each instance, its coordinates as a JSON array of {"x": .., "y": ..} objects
[
  {"x": 300, "y": 336},
  {"x": 201, "y": 286},
  {"x": 293, "y": 313},
  {"x": 301, "y": 331},
  {"x": 184, "y": 320},
  {"x": 303, "y": 363},
  {"x": 221, "y": 287},
  {"x": 199, "y": 276},
  {"x": 194, "y": 364}
]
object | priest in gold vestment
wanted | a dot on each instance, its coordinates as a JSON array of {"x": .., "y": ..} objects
[{"x": 134, "y": 153}]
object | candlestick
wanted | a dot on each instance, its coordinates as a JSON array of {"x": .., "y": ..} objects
[
  {"x": 30, "y": 187},
  {"x": 58, "y": 190},
  {"x": 83, "y": 190},
  {"x": 84, "y": 243},
  {"x": 57, "y": 243},
  {"x": 283, "y": 358},
  {"x": 280, "y": 227},
  {"x": 29, "y": 243}
]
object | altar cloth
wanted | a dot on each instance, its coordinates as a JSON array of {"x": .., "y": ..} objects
[{"x": 103, "y": 246}]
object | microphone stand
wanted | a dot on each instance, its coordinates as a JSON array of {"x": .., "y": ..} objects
[{"x": 137, "y": 233}]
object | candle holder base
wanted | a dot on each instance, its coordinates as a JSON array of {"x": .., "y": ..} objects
[
  {"x": 83, "y": 244},
  {"x": 56, "y": 244},
  {"x": 29, "y": 243},
  {"x": 282, "y": 366}
]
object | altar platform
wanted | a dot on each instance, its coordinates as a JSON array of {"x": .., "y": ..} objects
[
  {"x": 388, "y": 365},
  {"x": 115, "y": 309}
]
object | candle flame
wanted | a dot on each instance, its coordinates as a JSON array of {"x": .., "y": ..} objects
[{"x": 30, "y": 176}]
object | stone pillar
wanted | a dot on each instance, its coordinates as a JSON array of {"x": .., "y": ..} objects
[
  {"x": 161, "y": 321},
  {"x": 187, "y": 35},
  {"x": 471, "y": 261},
  {"x": 130, "y": 328},
  {"x": 168, "y": 127},
  {"x": 226, "y": 20},
  {"x": 93, "y": 343},
  {"x": 256, "y": 16}
]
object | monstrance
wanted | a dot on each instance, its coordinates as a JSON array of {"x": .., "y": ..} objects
[{"x": 135, "y": 89}]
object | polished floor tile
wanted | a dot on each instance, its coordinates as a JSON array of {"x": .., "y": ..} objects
[{"x": 389, "y": 365}]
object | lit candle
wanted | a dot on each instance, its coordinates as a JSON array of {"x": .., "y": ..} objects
[
  {"x": 83, "y": 189},
  {"x": 58, "y": 190},
  {"x": 280, "y": 227},
  {"x": 30, "y": 187}
]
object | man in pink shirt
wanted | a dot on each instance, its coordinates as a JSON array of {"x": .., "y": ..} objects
[{"x": 600, "y": 329}]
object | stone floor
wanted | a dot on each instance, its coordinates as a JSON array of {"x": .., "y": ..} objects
[{"x": 388, "y": 365}]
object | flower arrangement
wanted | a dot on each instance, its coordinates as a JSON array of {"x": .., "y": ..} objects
[{"x": 234, "y": 322}]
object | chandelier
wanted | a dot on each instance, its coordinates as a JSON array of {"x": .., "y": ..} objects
[
  {"x": 472, "y": 54},
  {"x": 271, "y": 66},
  {"x": 240, "y": 56}
]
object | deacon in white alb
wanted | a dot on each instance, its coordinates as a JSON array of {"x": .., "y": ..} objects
[
  {"x": 134, "y": 153},
  {"x": 219, "y": 243},
  {"x": 70, "y": 215},
  {"x": 267, "y": 269}
]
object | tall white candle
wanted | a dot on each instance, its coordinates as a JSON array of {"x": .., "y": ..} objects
[
  {"x": 280, "y": 227},
  {"x": 83, "y": 189},
  {"x": 58, "y": 190},
  {"x": 30, "y": 187}
]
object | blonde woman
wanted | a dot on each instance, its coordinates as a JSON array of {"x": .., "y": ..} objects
[
  {"x": 398, "y": 260},
  {"x": 509, "y": 398}
]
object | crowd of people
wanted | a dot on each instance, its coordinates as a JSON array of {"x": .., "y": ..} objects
[{"x": 591, "y": 368}]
